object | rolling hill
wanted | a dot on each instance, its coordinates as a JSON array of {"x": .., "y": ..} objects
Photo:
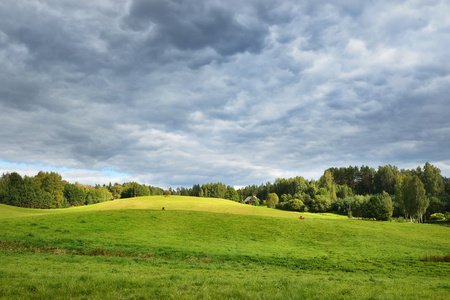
[{"x": 214, "y": 248}]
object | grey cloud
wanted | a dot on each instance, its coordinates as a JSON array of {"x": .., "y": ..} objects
[
  {"x": 48, "y": 44},
  {"x": 195, "y": 25},
  {"x": 18, "y": 94},
  {"x": 177, "y": 93}
]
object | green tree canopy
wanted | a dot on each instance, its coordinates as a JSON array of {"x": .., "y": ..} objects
[
  {"x": 52, "y": 183},
  {"x": 272, "y": 200},
  {"x": 376, "y": 208},
  {"x": 413, "y": 197},
  {"x": 231, "y": 194},
  {"x": 134, "y": 189},
  {"x": 384, "y": 179},
  {"x": 327, "y": 182},
  {"x": 74, "y": 194},
  {"x": 293, "y": 205},
  {"x": 432, "y": 180}
]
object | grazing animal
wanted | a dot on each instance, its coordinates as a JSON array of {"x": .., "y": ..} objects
[{"x": 163, "y": 208}]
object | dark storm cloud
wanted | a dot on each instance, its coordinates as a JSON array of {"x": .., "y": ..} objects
[
  {"x": 50, "y": 38},
  {"x": 184, "y": 92},
  {"x": 194, "y": 25}
]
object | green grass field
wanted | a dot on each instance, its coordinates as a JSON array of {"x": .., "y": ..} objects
[{"x": 206, "y": 248}]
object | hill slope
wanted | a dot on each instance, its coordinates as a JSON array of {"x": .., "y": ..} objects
[{"x": 226, "y": 248}]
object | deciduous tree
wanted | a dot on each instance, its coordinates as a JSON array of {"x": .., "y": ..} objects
[
  {"x": 231, "y": 194},
  {"x": 52, "y": 184},
  {"x": 272, "y": 200},
  {"x": 432, "y": 180},
  {"x": 413, "y": 197},
  {"x": 375, "y": 208},
  {"x": 384, "y": 179},
  {"x": 74, "y": 194}
]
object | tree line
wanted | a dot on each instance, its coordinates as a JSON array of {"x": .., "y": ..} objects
[
  {"x": 355, "y": 191},
  {"x": 49, "y": 190}
]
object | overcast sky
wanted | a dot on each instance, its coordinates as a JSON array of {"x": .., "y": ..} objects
[{"x": 175, "y": 93}]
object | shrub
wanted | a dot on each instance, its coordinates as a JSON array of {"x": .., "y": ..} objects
[
  {"x": 436, "y": 205},
  {"x": 293, "y": 205},
  {"x": 437, "y": 217},
  {"x": 401, "y": 219}
]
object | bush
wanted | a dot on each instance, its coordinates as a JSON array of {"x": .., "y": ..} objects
[
  {"x": 437, "y": 217},
  {"x": 293, "y": 205}
]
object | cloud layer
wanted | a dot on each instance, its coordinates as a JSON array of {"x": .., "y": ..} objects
[{"x": 175, "y": 93}]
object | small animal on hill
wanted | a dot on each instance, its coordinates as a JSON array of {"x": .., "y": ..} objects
[
  {"x": 302, "y": 218},
  {"x": 163, "y": 208}
]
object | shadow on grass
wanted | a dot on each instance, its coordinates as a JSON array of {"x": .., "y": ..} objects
[{"x": 438, "y": 258}]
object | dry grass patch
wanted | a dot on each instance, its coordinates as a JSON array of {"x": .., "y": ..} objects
[{"x": 438, "y": 258}]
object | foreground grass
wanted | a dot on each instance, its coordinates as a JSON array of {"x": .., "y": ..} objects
[
  {"x": 211, "y": 248},
  {"x": 55, "y": 276}
]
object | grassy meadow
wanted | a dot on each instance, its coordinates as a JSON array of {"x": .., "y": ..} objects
[{"x": 205, "y": 248}]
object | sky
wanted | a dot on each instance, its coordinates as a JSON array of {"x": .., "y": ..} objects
[{"x": 175, "y": 92}]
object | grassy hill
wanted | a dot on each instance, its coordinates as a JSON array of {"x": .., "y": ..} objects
[{"x": 214, "y": 248}]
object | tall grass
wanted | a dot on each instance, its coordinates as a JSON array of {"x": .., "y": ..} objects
[{"x": 438, "y": 258}]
